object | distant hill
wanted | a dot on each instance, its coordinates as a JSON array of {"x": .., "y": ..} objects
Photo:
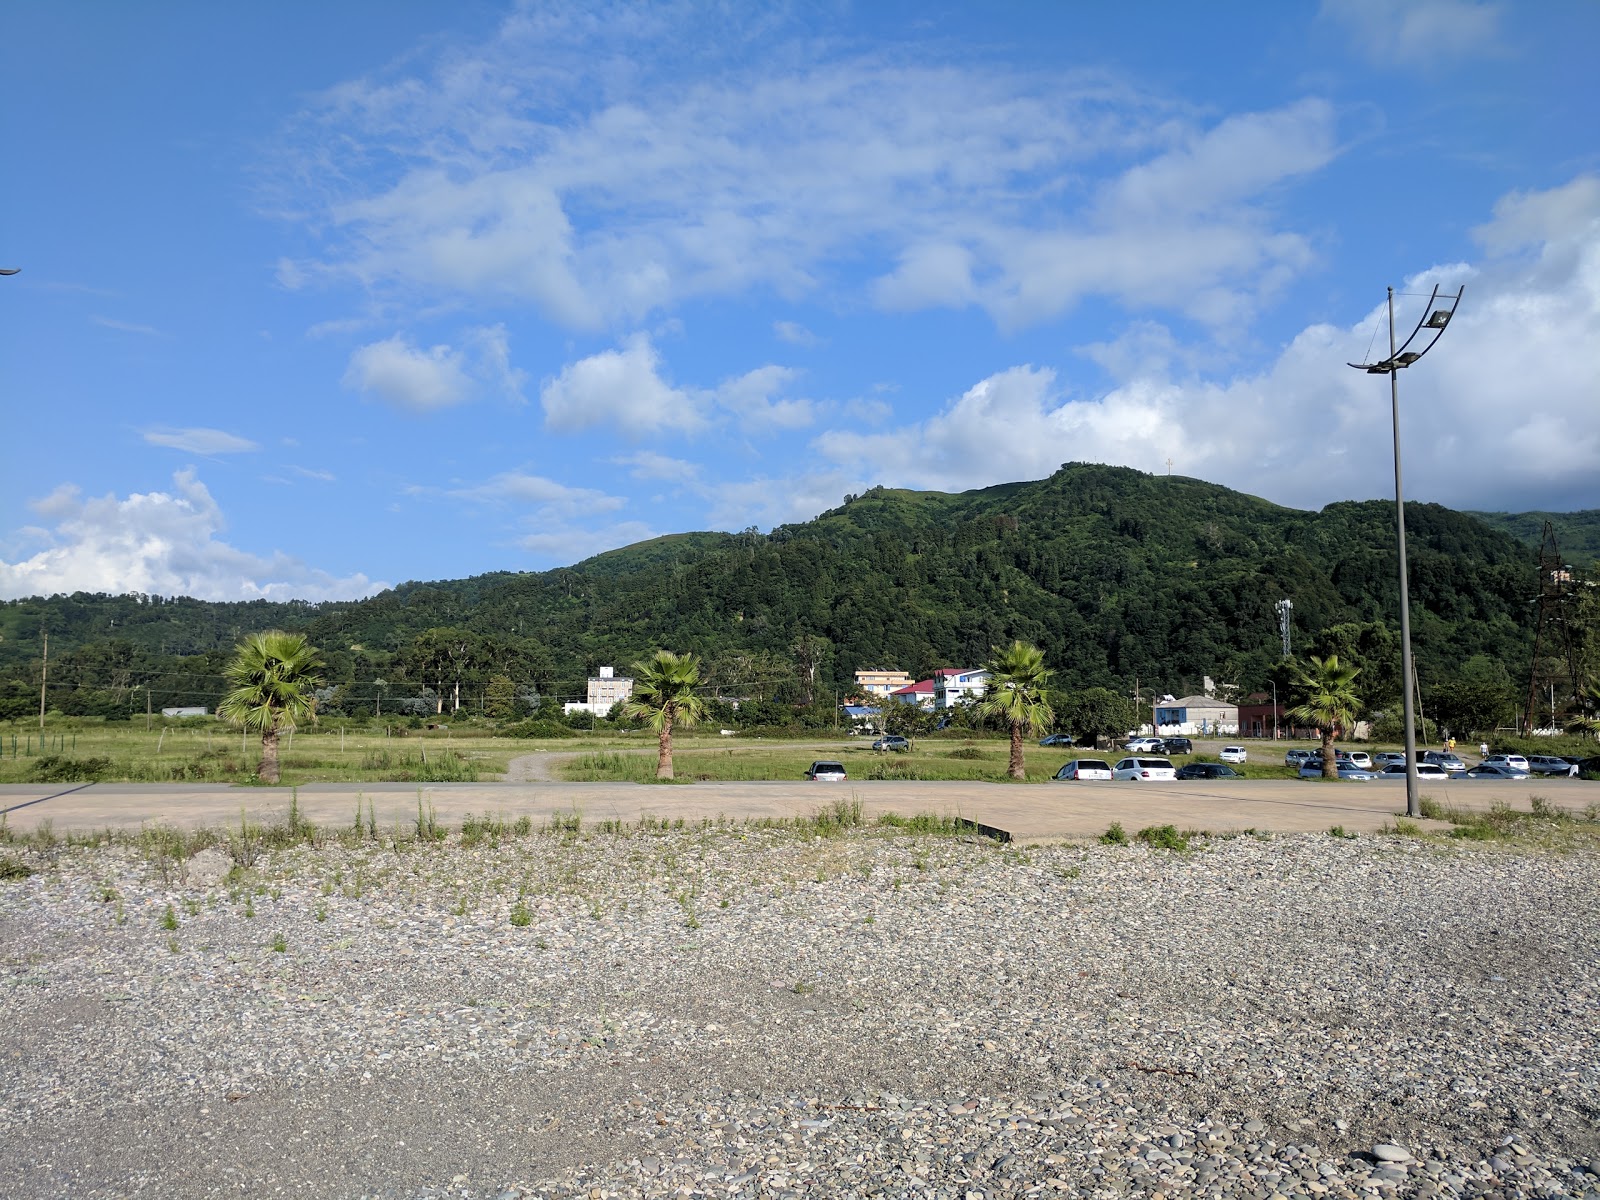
[
  {"x": 1578, "y": 533},
  {"x": 1117, "y": 574}
]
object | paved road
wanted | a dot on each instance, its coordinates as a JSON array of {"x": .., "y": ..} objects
[{"x": 1028, "y": 812}]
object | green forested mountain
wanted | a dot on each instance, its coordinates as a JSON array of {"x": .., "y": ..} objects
[
  {"x": 1116, "y": 574},
  {"x": 1578, "y": 533}
]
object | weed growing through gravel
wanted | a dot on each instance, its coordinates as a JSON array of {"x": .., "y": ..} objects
[
  {"x": 12, "y": 867},
  {"x": 280, "y": 944},
  {"x": 1339, "y": 831},
  {"x": 521, "y": 915},
  {"x": 1116, "y": 835},
  {"x": 1163, "y": 837},
  {"x": 169, "y": 919}
]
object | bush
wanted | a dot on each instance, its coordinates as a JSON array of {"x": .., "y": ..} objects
[
  {"x": 1163, "y": 837},
  {"x": 57, "y": 768},
  {"x": 536, "y": 727},
  {"x": 1115, "y": 836}
]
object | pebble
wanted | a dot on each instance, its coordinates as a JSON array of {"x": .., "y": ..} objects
[{"x": 723, "y": 1019}]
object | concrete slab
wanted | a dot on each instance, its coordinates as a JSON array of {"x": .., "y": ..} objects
[{"x": 1028, "y": 812}]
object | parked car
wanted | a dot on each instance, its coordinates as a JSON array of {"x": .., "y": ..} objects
[
  {"x": 1143, "y": 745},
  {"x": 1057, "y": 739},
  {"x": 1515, "y": 761},
  {"x": 1312, "y": 769},
  {"x": 1084, "y": 768},
  {"x": 1234, "y": 754},
  {"x": 1588, "y": 768},
  {"x": 825, "y": 771},
  {"x": 1493, "y": 770},
  {"x": 1176, "y": 745},
  {"x": 1207, "y": 770},
  {"x": 1446, "y": 759},
  {"x": 1144, "y": 768},
  {"x": 1360, "y": 757},
  {"x": 1293, "y": 758},
  {"x": 893, "y": 742},
  {"x": 1425, "y": 770},
  {"x": 1389, "y": 758},
  {"x": 1545, "y": 764}
]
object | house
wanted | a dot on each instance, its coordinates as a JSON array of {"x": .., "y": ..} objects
[
  {"x": 920, "y": 693},
  {"x": 186, "y": 712},
  {"x": 880, "y": 683},
  {"x": 605, "y": 689},
  {"x": 952, "y": 686},
  {"x": 1260, "y": 717},
  {"x": 1196, "y": 715}
]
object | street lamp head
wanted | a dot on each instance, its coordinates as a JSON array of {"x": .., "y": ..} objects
[
  {"x": 1439, "y": 318},
  {"x": 1406, "y": 359},
  {"x": 9, "y": 270}
]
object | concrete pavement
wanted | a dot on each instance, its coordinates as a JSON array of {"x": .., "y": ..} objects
[{"x": 1027, "y": 812}]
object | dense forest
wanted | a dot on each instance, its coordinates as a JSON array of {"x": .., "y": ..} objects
[{"x": 1119, "y": 576}]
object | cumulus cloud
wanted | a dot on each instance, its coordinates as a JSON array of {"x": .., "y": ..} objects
[
  {"x": 415, "y": 380},
  {"x": 199, "y": 441},
  {"x": 795, "y": 334},
  {"x": 1501, "y": 415},
  {"x": 647, "y": 464},
  {"x": 620, "y": 387},
  {"x": 160, "y": 543},
  {"x": 555, "y": 164}
]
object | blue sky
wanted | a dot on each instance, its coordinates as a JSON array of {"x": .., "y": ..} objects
[{"x": 319, "y": 298}]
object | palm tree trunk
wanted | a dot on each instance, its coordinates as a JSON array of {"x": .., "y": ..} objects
[
  {"x": 267, "y": 772},
  {"x": 1017, "y": 770},
  {"x": 1330, "y": 761},
  {"x": 664, "y": 750}
]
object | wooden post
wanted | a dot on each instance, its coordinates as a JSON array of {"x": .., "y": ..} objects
[{"x": 44, "y": 673}]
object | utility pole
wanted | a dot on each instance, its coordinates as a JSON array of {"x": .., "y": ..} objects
[
  {"x": 148, "y": 711},
  {"x": 44, "y": 673}
]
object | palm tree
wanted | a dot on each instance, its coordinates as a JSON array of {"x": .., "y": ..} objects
[
  {"x": 273, "y": 677},
  {"x": 1331, "y": 704},
  {"x": 1017, "y": 676},
  {"x": 663, "y": 693}
]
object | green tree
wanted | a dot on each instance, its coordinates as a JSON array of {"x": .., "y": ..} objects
[
  {"x": 1017, "y": 676},
  {"x": 1094, "y": 713},
  {"x": 664, "y": 695},
  {"x": 500, "y": 697},
  {"x": 272, "y": 679},
  {"x": 1466, "y": 706},
  {"x": 1330, "y": 703}
]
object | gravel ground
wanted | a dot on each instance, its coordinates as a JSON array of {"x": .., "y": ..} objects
[{"x": 758, "y": 1013}]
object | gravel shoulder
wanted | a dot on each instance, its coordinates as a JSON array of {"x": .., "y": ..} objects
[{"x": 740, "y": 1011}]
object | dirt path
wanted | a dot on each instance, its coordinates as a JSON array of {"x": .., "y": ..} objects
[{"x": 539, "y": 767}]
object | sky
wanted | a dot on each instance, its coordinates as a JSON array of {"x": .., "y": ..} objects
[{"x": 316, "y": 299}]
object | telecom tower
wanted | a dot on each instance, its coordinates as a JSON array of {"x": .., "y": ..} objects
[
  {"x": 1553, "y": 634},
  {"x": 1284, "y": 609}
]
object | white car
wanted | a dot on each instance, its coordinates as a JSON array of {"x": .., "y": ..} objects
[
  {"x": 1144, "y": 768},
  {"x": 1233, "y": 754},
  {"x": 1360, "y": 757},
  {"x": 1084, "y": 768},
  {"x": 1515, "y": 761},
  {"x": 1425, "y": 770},
  {"x": 1142, "y": 745}
]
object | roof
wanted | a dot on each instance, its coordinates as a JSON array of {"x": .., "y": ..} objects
[
  {"x": 1197, "y": 702},
  {"x": 921, "y": 687},
  {"x": 961, "y": 670}
]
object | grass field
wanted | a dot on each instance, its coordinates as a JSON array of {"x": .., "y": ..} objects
[{"x": 204, "y": 751}]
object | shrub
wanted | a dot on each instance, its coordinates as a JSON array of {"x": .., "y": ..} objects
[
  {"x": 537, "y": 728},
  {"x": 1163, "y": 837},
  {"x": 1115, "y": 836},
  {"x": 57, "y": 768}
]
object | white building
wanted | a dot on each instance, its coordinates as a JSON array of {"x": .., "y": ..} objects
[
  {"x": 605, "y": 690},
  {"x": 1196, "y": 716},
  {"x": 952, "y": 686}
]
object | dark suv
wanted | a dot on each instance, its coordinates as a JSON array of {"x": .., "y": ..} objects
[{"x": 1177, "y": 746}]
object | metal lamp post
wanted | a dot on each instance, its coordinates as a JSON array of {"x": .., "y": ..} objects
[{"x": 1435, "y": 317}]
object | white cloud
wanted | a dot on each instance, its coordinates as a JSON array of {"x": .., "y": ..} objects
[
  {"x": 1413, "y": 32},
  {"x": 401, "y": 375},
  {"x": 1500, "y": 415},
  {"x": 556, "y": 164},
  {"x": 127, "y": 327},
  {"x": 647, "y": 464},
  {"x": 753, "y": 400},
  {"x": 553, "y": 499},
  {"x": 406, "y": 377},
  {"x": 200, "y": 441},
  {"x": 622, "y": 388},
  {"x": 160, "y": 543},
  {"x": 795, "y": 334}
]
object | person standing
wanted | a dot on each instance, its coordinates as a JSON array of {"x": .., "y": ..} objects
[{"x": 1483, "y": 749}]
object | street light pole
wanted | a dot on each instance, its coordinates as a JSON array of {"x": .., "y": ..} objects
[
  {"x": 1408, "y": 703},
  {"x": 1434, "y": 320}
]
